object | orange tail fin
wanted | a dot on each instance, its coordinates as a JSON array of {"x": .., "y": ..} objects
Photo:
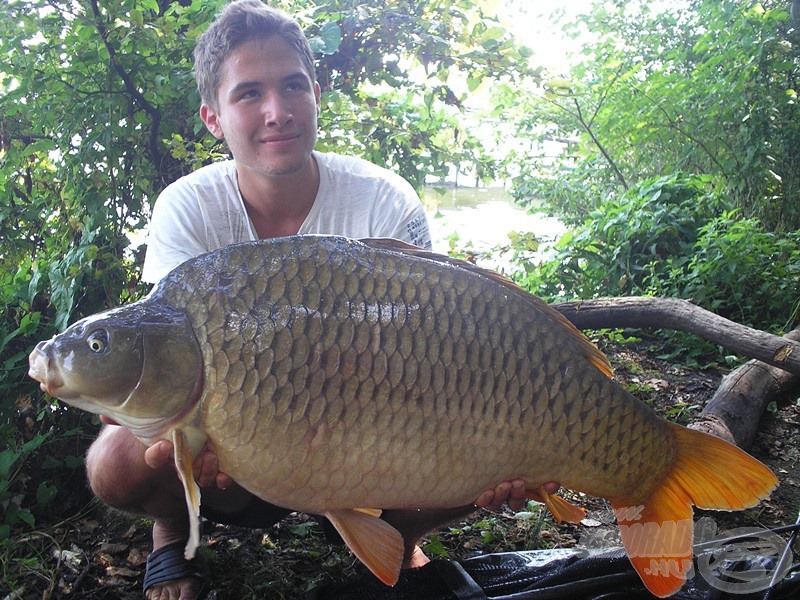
[{"x": 708, "y": 473}]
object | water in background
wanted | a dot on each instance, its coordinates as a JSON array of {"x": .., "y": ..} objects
[{"x": 480, "y": 219}]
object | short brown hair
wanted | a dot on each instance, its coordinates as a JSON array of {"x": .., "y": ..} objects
[{"x": 239, "y": 22}]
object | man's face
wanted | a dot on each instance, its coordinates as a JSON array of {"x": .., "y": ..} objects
[{"x": 267, "y": 108}]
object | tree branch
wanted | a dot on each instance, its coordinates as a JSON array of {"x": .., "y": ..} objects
[
  {"x": 620, "y": 177},
  {"x": 680, "y": 315},
  {"x": 130, "y": 87}
]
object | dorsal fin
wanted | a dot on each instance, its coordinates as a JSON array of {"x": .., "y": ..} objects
[{"x": 589, "y": 351}]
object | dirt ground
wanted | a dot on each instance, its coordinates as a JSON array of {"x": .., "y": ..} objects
[{"x": 98, "y": 554}]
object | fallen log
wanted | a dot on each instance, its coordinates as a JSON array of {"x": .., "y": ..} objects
[
  {"x": 680, "y": 315},
  {"x": 734, "y": 412}
]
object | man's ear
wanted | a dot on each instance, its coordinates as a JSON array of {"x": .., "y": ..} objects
[{"x": 209, "y": 117}]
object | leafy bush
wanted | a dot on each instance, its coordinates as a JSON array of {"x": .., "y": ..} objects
[
  {"x": 740, "y": 271},
  {"x": 568, "y": 189},
  {"x": 41, "y": 473},
  {"x": 621, "y": 240},
  {"x": 708, "y": 86},
  {"x": 675, "y": 237},
  {"x": 43, "y": 444}
]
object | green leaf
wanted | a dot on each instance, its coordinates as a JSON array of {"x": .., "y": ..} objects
[
  {"x": 435, "y": 547},
  {"x": 328, "y": 40},
  {"x": 73, "y": 462},
  {"x": 317, "y": 45},
  {"x": 137, "y": 17},
  {"x": 492, "y": 34},
  {"x": 331, "y": 33},
  {"x": 45, "y": 494},
  {"x": 7, "y": 459},
  {"x": 25, "y": 515},
  {"x": 42, "y": 145},
  {"x": 150, "y": 5},
  {"x": 474, "y": 81},
  {"x": 51, "y": 462},
  {"x": 36, "y": 442},
  {"x": 302, "y": 529}
]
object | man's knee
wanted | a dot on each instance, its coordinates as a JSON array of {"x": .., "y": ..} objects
[{"x": 108, "y": 469}]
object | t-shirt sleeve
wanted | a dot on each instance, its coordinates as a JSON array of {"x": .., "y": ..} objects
[
  {"x": 176, "y": 232},
  {"x": 406, "y": 220}
]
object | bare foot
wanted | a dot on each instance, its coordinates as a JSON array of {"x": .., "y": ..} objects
[
  {"x": 418, "y": 559},
  {"x": 169, "y": 532},
  {"x": 179, "y": 589}
]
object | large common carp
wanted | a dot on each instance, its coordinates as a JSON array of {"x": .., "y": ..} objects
[{"x": 340, "y": 378}]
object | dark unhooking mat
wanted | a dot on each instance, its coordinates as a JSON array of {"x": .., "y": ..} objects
[{"x": 560, "y": 573}]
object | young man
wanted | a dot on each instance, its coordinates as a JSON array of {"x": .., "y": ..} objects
[{"x": 255, "y": 73}]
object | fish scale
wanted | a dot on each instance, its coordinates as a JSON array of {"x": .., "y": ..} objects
[{"x": 331, "y": 376}]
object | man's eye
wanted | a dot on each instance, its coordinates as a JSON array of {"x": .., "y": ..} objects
[{"x": 98, "y": 341}]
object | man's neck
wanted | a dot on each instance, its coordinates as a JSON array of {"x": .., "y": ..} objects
[{"x": 278, "y": 206}]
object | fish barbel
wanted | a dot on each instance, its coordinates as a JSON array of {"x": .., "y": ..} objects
[{"x": 342, "y": 378}]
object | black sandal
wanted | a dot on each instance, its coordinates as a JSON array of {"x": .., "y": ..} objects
[{"x": 168, "y": 564}]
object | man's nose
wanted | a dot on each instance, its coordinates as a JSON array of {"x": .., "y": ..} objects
[{"x": 276, "y": 112}]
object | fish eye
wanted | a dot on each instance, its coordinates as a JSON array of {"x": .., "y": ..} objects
[{"x": 98, "y": 341}]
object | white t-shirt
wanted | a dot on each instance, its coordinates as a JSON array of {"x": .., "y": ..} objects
[{"x": 204, "y": 211}]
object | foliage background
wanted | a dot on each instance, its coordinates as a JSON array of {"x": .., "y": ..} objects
[{"x": 679, "y": 176}]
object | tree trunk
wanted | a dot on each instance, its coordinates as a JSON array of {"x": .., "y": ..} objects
[{"x": 736, "y": 408}]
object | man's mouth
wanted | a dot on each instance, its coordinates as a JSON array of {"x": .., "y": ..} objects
[{"x": 276, "y": 139}]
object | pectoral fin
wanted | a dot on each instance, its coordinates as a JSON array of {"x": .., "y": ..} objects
[
  {"x": 560, "y": 508},
  {"x": 183, "y": 463},
  {"x": 376, "y": 543}
]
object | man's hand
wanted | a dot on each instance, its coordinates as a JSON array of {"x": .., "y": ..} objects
[
  {"x": 512, "y": 492},
  {"x": 207, "y": 473},
  {"x": 205, "y": 466}
]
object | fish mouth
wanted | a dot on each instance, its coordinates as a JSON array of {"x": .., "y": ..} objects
[
  {"x": 47, "y": 372},
  {"x": 41, "y": 368}
]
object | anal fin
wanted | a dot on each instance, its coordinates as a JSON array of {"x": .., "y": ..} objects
[
  {"x": 372, "y": 512},
  {"x": 560, "y": 508},
  {"x": 376, "y": 543}
]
